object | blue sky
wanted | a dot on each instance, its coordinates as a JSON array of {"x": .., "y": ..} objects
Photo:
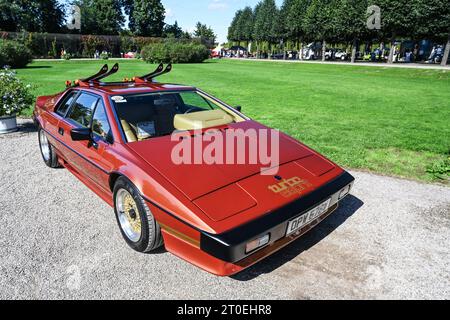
[{"x": 215, "y": 13}]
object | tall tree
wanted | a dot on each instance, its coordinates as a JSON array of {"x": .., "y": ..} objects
[
  {"x": 398, "y": 20},
  {"x": 245, "y": 24},
  {"x": 266, "y": 19},
  {"x": 233, "y": 30},
  {"x": 33, "y": 16},
  {"x": 285, "y": 26},
  {"x": 101, "y": 17},
  {"x": 351, "y": 20},
  {"x": 52, "y": 15},
  {"x": 10, "y": 15},
  {"x": 433, "y": 22},
  {"x": 147, "y": 18},
  {"x": 319, "y": 21},
  {"x": 296, "y": 12},
  {"x": 206, "y": 33},
  {"x": 173, "y": 30}
]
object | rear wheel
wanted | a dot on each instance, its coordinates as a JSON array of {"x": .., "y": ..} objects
[
  {"x": 47, "y": 150},
  {"x": 136, "y": 222}
]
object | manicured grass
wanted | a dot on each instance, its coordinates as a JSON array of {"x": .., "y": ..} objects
[{"x": 387, "y": 120}]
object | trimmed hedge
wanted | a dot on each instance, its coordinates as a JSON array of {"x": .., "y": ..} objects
[
  {"x": 50, "y": 45},
  {"x": 14, "y": 54},
  {"x": 175, "y": 52}
]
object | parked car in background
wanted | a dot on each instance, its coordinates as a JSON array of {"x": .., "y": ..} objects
[
  {"x": 130, "y": 55},
  {"x": 336, "y": 54},
  {"x": 277, "y": 56},
  {"x": 308, "y": 54}
]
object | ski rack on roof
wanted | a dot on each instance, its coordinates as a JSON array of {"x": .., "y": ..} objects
[
  {"x": 158, "y": 72},
  {"x": 95, "y": 79},
  {"x": 152, "y": 74},
  {"x": 104, "y": 73}
]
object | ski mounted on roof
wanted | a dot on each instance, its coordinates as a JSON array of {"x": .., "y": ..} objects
[
  {"x": 104, "y": 73},
  {"x": 158, "y": 72}
]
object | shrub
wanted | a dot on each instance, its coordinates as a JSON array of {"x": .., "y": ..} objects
[
  {"x": 104, "y": 56},
  {"x": 66, "y": 56},
  {"x": 91, "y": 44},
  {"x": 440, "y": 170},
  {"x": 14, "y": 54},
  {"x": 175, "y": 52},
  {"x": 15, "y": 96}
]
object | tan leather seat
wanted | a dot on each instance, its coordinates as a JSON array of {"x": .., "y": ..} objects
[{"x": 129, "y": 133}]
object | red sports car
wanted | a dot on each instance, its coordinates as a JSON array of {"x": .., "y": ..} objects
[{"x": 131, "y": 143}]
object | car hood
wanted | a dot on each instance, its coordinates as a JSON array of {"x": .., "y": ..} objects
[{"x": 197, "y": 180}]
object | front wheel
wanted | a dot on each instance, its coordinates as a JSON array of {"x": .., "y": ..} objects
[
  {"x": 47, "y": 151},
  {"x": 136, "y": 222}
]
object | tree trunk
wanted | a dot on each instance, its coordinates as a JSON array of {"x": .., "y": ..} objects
[
  {"x": 391, "y": 53},
  {"x": 324, "y": 49},
  {"x": 354, "y": 51},
  {"x": 446, "y": 52},
  {"x": 300, "y": 55}
]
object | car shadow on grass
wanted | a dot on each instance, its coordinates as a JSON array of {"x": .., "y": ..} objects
[{"x": 349, "y": 206}]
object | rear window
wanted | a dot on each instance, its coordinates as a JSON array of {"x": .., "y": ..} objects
[{"x": 66, "y": 103}]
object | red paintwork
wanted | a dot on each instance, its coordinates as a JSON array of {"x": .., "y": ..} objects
[{"x": 212, "y": 198}]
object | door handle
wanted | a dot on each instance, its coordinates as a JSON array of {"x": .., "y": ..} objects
[{"x": 61, "y": 131}]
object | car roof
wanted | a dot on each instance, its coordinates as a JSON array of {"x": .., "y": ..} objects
[{"x": 131, "y": 87}]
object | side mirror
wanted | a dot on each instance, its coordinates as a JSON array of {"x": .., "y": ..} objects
[
  {"x": 238, "y": 108},
  {"x": 81, "y": 134}
]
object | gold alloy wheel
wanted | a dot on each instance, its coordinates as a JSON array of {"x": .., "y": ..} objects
[{"x": 128, "y": 213}]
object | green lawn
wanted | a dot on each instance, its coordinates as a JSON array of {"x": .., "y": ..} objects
[{"x": 387, "y": 120}]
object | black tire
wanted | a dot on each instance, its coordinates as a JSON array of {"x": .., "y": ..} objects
[
  {"x": 150, "y": 238},
  {"x": 50, "y": 158}
]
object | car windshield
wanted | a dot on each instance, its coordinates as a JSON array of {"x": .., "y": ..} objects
[{"x": 144, "y": 116}]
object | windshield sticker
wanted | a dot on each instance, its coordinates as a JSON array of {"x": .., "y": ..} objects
[{"x": 119, "y": 99}]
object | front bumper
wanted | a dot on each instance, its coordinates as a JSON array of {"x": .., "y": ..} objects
[{"x": 230, "y": 246}]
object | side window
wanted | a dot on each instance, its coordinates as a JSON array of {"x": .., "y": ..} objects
[
  {"x": 100, "y": 124},
  {"x": 66, "y": 103},
  {"x": 82, "y": 110}
]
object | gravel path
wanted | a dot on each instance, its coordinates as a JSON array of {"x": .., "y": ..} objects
[{"x": 390, "y": 239}]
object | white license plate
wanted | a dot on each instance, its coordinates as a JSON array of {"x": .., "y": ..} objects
[{"x": 299, "y": 222}]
